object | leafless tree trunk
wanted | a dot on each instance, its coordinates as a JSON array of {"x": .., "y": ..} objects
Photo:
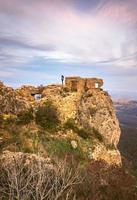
[{"x": 37, "y": 180}]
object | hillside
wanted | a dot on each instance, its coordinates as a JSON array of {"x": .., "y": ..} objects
[
  {"x": 74, "y": 123},
  {"x": 91, "y": 112},
  {"x": 127, "y": 113}
]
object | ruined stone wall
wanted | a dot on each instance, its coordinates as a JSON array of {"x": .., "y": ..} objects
[
  {"x": 82, "y": 84},
  {"x": 72, "y": 83},
  {"x": 90, "y": 83}
]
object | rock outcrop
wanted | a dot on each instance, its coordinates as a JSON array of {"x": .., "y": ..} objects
[
  {"x": 95, "y": 110},
  {"x": 27, "y": 92},
  {"x": 91, "y": 109},
  {"x": 10, "y": 101}
]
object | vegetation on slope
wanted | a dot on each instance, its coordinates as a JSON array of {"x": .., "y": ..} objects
[{"x": 39, "y": 131}]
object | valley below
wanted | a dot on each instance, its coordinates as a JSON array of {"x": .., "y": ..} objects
[{"x": 127, "y": 115}]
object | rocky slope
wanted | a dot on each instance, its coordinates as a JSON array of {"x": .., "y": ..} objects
[{"x": 91, "y": 111}]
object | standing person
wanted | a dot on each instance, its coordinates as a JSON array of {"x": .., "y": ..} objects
[{"x": 62, "y": 79}]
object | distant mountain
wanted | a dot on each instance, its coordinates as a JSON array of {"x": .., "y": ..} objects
[
  {"x": 126, "y": 95},
  {"x": 127, "y": 113}
]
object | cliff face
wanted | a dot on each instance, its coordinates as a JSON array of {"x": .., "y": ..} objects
[
  {"x": 95, "y": 109},
  {"x": 91, "y": 110}
]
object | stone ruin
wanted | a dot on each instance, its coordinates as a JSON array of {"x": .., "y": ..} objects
[
  {"x": 78, "y": 84},
  {"x": 72, "y": 84}
]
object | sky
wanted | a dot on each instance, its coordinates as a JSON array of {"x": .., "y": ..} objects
[{"x": 42, "y": 39}]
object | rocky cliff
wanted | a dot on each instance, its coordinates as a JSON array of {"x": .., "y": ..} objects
[
  {"x": 91, "y": 111},
  {"x": 11, "y": 101}
]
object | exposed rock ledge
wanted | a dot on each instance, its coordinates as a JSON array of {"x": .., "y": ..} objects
[{"x": 93, "y": 108}]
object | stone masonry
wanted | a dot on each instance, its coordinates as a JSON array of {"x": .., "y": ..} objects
[{"x": 78, "y": 84}]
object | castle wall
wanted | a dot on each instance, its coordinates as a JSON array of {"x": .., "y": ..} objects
[{"x": 78, "y": 84}]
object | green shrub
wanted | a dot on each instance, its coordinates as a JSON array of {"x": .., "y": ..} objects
[
  {"x": 63, "y": 147},
  {"x": 98, "y": 135},
  {"x": 47, "y": 116},
  {"x": 25, "y": 117},
  {"x": 70, "y": 124},
  {"x": 82, "y": 132},
  {"x": 60, "y": 147}
]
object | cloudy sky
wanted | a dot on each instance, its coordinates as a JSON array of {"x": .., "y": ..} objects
[{"x": 42, "y": 39}]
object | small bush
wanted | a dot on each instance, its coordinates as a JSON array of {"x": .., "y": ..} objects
[
  {"x": 98, "y": 135},
  {"x": 70, "y": 124},
  {"x": 83, "y": 133},
  {"x": 47, "y": 116},
  {"x": 25, "y": 117}
]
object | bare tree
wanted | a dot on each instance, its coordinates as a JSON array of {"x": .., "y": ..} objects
[
  {"x": 15, "y": 179},
  {"x": 37, "y": 180}
]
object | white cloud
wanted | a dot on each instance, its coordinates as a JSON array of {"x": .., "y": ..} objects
[
  {"x": 56, "y": 30},
  {"x": 76, "y": 37}
]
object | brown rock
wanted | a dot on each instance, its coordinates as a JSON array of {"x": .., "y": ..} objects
[
  {"x": 11, "y": 101},
  {"x": 79, "y": 99}
]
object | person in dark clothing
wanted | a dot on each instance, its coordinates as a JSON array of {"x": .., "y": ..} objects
[{"x": 62, "y": 79}]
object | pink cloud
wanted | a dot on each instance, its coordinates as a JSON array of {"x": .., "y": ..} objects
[{"x": 120, "y": 11}]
